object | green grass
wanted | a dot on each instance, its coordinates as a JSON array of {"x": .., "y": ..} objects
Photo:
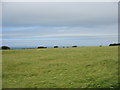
[{"x": 81, "y": 67}]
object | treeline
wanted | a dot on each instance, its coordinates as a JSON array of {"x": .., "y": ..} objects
[
  {"x": 5, "y": 47},
  {"x": 115, "y": 44},
  {"x": 39, "y": 47},
  {"x": 55, "y": 47}
]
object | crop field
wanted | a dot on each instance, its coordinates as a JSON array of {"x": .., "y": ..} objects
[{"x": 79, "y": 67}]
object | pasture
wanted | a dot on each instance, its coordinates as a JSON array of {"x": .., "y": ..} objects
[{"x": 80, "y": 67}]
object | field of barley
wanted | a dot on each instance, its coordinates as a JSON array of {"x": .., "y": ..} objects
[{"x": 80, "y": 67}]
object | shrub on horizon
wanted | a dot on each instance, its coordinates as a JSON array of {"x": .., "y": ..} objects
[
  {"x": 55, "y": 46},
  {"x": 74, "y": 46},
  {"x": 42, "y": 47},
  {"x": 5, "y": 48}
]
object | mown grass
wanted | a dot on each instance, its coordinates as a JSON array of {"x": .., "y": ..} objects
[{"x": 81, "y": 67}]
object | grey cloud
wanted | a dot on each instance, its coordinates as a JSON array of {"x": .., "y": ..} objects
[{"x": 88, "y": 14}]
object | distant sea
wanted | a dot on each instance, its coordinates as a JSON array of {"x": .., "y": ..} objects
[
  {"x": 27, "y": 47},
  {"x": 47, "y": 47}
]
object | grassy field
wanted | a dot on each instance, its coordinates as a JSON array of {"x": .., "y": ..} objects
[{"x": 81, "y": 67}]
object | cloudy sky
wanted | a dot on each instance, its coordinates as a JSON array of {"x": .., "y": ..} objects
[{"x": 34, "y": 24}]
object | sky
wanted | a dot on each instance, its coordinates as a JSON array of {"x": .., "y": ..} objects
[{"x": 33, "y": 24}]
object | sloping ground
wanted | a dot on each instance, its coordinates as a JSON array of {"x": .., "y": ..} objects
[{"x": 81, "y": 67}]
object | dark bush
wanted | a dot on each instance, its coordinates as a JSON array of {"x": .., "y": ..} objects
[
  {"x": 115, "y": 44},
  {"x": 74, "y": 46},
  {"x": 42, "y": 47},
  {"x": 5, "y": 47},
  {"x": 55, "y": 46}
]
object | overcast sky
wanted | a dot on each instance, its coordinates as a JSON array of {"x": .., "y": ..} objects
[{"x": 64, "y": 24}]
